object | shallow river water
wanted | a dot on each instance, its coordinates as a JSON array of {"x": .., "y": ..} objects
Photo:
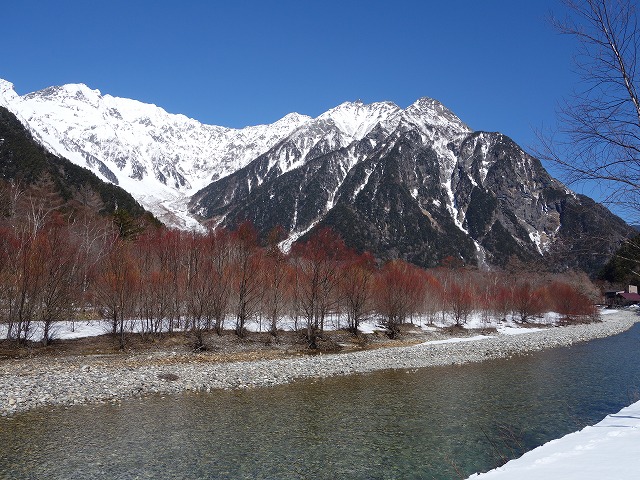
[{"x": 436, "y": 423}]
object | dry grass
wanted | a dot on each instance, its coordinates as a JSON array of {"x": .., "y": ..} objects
[{"x": 178, "y": 347}]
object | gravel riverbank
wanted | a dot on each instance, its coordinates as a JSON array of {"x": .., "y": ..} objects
[{"x": 41, "y": 381}]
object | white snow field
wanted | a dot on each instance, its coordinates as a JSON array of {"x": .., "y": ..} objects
[
  {"x": 608, "y": 450},
  {"x": 89, "y": 328}
]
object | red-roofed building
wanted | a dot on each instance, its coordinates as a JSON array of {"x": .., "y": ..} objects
[{"x": 623, "y": 298}]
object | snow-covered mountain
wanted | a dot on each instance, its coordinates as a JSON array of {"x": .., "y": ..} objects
[
  {"x": 333, "y": 146},
  {"x": 415, "y": 183},
  {"x": 160, "y": 158}
]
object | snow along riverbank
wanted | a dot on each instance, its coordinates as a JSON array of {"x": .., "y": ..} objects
[
  {"x": 609, "y": 449},
  {"x": 41, "y": 381}
]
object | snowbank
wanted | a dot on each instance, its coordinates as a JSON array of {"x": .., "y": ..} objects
[
  {"x": 66, "y": 330},
  {"x": 90, "y": 328},
  {"x": 608, "y": 450}
]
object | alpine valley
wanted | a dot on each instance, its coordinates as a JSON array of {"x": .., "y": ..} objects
[{"x": 415, "y": 183}]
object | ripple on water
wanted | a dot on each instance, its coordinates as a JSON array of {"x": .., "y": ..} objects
[{"x": 410, "y": 423}]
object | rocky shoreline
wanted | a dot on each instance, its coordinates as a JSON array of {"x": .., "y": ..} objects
[{"x": 41, "y": 382}]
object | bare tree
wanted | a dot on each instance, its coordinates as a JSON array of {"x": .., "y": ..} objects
[
  {"x": 170, "y": 254},
  {"x": 92, "y": 231},
  {"x": 30, "y": 209},
  {"x": 220, "y": 275},
  {"x": 276, "y": 279},
  {"x": 356, "y": 288},
  {"x": 317, "y": 262},
  {"x": 56, "y": 251},
  {"x": 461, "y": 301},
  {"x": 116, "y": 285},
  {"x": 199, "y": 286},
  {"x": 399, "y": 293},
  {"x": 598, "y": 138},
  {"x": 528, "y": 301},
  {"x": 247, "y": 285}
]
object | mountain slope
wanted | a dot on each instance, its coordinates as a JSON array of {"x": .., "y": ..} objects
[
  {"x": 422, "y": 186},
  {"x": 159, "y": 157},
  {"x": 415, "y": 183},
  {"x": 24, "y": 161}
]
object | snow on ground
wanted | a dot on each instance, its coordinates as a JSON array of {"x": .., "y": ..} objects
[
  {"x": 67, "y": 330},
  {"x": 457, "y": 340},
  {"x": 79, "y": 329},
  {"x": 515, "y": 329},
  {"x": 369, "y": 327},
  {"x": 608, "y": 450}
]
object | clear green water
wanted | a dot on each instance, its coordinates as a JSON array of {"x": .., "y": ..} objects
[{"x": 434, "y": 423}]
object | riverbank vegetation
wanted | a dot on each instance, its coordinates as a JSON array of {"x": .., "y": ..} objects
[{"x": 57, "y": 266}]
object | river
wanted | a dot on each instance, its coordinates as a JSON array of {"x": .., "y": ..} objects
[{"x": 433, "y": 423}]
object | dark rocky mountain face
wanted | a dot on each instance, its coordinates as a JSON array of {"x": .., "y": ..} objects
[
  {"x": 476, "y": 197},
  {"x": 415, "y": 183}
]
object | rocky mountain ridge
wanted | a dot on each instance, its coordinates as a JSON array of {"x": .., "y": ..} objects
[{"x": 415, "y": 183}]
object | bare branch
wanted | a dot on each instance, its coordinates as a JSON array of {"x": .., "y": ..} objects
[{"x": 598, "y": 138}]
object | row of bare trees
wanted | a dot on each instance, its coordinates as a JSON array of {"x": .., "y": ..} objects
[{"x": 164, "y": 280}]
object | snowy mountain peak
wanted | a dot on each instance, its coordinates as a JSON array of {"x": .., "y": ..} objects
[
  {"x": 289, "y": 122},
  {"x": 77, "y": 91},
  {"x": 356, "y": 119},
  {"x": 7, "y": 93},
  {"x": 427, "y": 111},
  {"x": 5, "y": 86},
  {"x": 163, "y": 158},
  {"x": 294, "y": 117},
  {"x": 414, "y": 183}
]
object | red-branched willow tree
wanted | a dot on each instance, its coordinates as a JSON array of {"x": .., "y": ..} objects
[
  {"x": 38, "y": 270},
  {"x": 116, "y": 285},
  {"x": 356, "y": 282},
  {"x": 400, "y": 291},
  {"x": 528, "y": 300},
  {"x": 277, "y": 281},
  {"x": 461, "y": 302},
  {"x": 9, "y": 245},
  {"x": 569, "y": 302},
  {"x": 56, "y": 254},
  {"x": 208, "y": 283},
  {"x": 318, "y": 263},
  {"x": 55, "y": 267},
  {"x": 160, "y": 253},
  {"x": 246, "y": 267}
]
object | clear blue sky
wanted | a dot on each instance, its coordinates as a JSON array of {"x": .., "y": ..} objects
[{"x": 497, "y": 64}]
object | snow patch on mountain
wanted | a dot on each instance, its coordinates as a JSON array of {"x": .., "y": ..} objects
[
  {"x": 355, "y": 119},
  {"x": 166, "y": 161},
  {"x": 157, "y": 156},
  {"x": 162, "y": 159},
  {"x": 7, "y": 93}
]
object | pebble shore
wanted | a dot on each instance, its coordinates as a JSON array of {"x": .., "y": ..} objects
[{"x": 41, "y": 382}]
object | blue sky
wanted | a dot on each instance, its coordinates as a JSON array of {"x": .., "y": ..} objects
[{"x": 498, "y": 64}]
